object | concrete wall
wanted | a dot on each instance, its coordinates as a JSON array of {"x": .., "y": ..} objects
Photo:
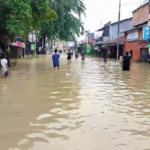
[
  {"x": 140, "y": 15},
  {"x": 140, "y": 33},
  {"x": 134, "y": 45}
]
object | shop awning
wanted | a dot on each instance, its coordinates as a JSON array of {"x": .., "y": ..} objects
[
  {"x": 18, "y": 44},
  {"x": 115, "y": 42}
]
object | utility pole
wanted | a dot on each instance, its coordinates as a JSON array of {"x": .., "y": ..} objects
[
  {"x": 87, "y": 37},
  {"x": 119, "y": 29}
]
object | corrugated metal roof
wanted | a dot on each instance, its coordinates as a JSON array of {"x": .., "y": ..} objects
[
  {"x": 122, "y": 20},
  {"x": 134, "y": 28},
  {"x": 114, "y": 23}
]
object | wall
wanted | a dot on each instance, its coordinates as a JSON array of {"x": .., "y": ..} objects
[
  {"x": 16, "y": 52},
  {"x": 134, "y": 46},
  {"x": 124, "y": 25},
  {"x": 140, "y": 33},
  {"x": 140, "y": 15}
]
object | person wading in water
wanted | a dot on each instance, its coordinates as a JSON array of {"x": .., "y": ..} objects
[
  {"x": 83, "y": 55},
  {"x": 126, "y": 62},
  {"x": 76, "y": 54},
  {"x": 55, "y": 58},
  {"x": 105, "y": 55},
  {"x": 69, "y": 55}
]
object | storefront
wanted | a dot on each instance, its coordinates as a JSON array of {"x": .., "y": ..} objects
[
  {"x": 17, "y": 49},
  {"x": 111, "y": 47},
  {"x": 143, "y": 45}
]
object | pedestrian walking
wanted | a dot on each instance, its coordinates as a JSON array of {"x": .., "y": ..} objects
[
  {"x": 4, "y": 65},
  {"x": 55, "y": 58},
  {"x": 69, "y": 55},
  {"x": 83, "y": 55},
  {"x": 126, "y": 62}
]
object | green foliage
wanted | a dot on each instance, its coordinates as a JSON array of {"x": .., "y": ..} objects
[
  {"x": 69, "y": 22},
  {"x": 8, "y": 51},
  {"x": 19, "y": 17}
]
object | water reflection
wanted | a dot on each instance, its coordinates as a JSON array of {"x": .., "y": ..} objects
[{"x": 84, "y": 105}]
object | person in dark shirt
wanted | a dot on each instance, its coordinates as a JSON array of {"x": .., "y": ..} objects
[
  {"x": 55, "y": 59},
  {"x": 104, "y": 52},
  {"x": 69, "y": 55},
  {"x": 126, "y": 62},
  {"x": 83, "y": 55},
  {"x": 76, "y": 54}
]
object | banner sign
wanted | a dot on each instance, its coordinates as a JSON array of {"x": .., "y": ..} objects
[
  {"x": 146, "y": 33},
  {"x": 132, "y": 35},
  {"x": 18, "y": 44}
]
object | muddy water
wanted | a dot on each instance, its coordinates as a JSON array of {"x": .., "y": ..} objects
[{"x": 83, "y": 106}]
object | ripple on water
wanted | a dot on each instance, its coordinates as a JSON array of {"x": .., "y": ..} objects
[
  {"x": 98, "y": 104},
  {"x": 44, "y": 116}
]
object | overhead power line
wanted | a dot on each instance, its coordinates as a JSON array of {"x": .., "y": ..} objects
[{"x": 134, "y": 3}]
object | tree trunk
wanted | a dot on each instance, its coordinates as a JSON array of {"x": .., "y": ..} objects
[
  {"x": 51, "y": 44},
  {"x": 43, "y": 47}
]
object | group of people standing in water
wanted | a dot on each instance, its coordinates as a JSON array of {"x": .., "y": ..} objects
[
  {"x": 70, "y": 54},
  {"x": 56, "y": 56},
  {"x": 125, "y": 61}
]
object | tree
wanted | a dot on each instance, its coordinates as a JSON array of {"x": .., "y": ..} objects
[
  {"x": 19, "y": 17},
  {"x": 69, "y": 21}
]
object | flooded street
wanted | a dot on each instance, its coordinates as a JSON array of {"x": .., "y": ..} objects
[{"x": 83, "y": 106}]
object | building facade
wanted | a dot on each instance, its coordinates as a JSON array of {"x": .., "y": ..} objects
[
  {"x": 136, "y": 39},
  {"x": 110, "y": 36}
]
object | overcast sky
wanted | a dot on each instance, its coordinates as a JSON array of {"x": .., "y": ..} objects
[{"x": 102, "y": 11}]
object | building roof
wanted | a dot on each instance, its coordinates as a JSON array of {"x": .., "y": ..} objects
[
  {"x": 122, "y": 20},
  {"x": 142, "y": 5},
  {"x": 113, "y": 23},
  {"x": 107, "y": 24},
  {"x": 101, "y": 29},
  {"x": 133, "y": 28}
]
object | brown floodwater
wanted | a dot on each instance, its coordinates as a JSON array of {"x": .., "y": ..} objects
[{"x": 86, "y": 105}]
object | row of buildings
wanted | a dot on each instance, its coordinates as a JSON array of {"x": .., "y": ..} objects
[{"x": 134, "y": 35}]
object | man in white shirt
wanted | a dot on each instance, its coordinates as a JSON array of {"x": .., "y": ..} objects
[{"x": 4, "y": 65}]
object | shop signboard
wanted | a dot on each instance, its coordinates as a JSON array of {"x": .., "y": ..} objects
[
  {"x": 143, "y": 44},
  {"x": 88, "y": 50},
  {"x": 91, "y": 35},
  {"x": 146, "y": 33},
  {"x": 149, "y": 49},
  {"x": 32, "y": 47},
  {"x": 132, "y": 35},
  {"x": 18, "y": 44}
]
